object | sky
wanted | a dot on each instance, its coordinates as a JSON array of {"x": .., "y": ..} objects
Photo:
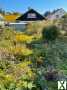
[{"x": 39, "y": 5}]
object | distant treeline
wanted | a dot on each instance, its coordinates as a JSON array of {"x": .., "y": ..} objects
[{"x": 4, "y": 12}]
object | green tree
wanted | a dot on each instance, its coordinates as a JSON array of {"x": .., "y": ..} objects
[
  {"x": 47, "y": 13},
  {"x": 50, "y": 33}
]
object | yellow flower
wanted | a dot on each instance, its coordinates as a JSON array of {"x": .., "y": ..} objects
[
  {"x": 23, "y": 38},
  {"x": 9, "y": 77}
]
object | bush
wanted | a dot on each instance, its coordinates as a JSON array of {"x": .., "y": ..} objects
[
  {"x": 51, "y": 76},
  {"x": 50, "y": 33}
]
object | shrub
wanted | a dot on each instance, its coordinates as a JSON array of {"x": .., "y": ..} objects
[
  {"x": 51, "y": 76},
  {"x": 50, "y": 33}
]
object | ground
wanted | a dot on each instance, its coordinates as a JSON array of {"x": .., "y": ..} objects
[{"x": 27, "y": 60}]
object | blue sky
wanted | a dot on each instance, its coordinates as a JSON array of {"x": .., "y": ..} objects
[{"x": 39, "y": 5}]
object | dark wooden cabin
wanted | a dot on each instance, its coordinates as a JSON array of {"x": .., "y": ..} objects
[{"x": 31, "y": 15}]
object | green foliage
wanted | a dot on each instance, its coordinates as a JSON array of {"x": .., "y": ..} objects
[
  {"x": 25, "y": 59},
  {"x": 50, "y": 33}
]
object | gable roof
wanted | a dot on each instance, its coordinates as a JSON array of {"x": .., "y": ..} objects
[
  {"x": 58, "y": 10},
  {"x": 35, "y": 17}
]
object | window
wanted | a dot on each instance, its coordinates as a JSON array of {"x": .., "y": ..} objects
[
  {"x": 57, "y": 16},
  {"x": 31, "y": 15}
]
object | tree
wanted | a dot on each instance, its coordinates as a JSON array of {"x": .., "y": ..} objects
[
  {"x": 2, "y": 11},
  {"x": 47, "y": 13},
  {"x": 50, "y": 33}
]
